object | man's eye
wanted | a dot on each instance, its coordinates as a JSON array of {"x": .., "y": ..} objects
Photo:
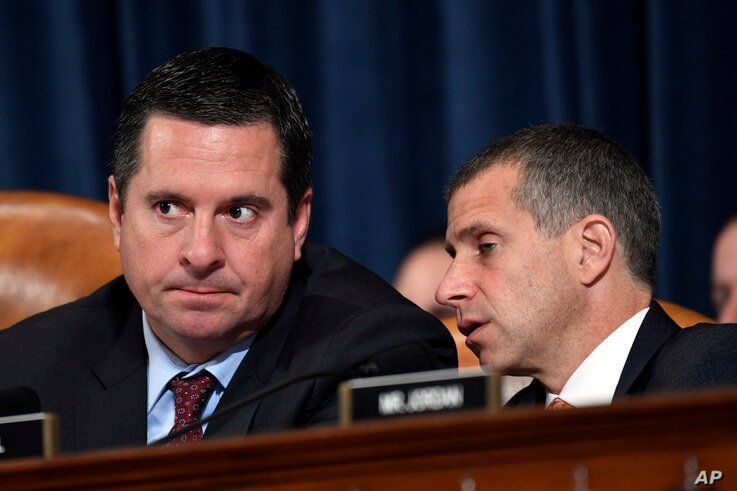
[
  {"x": 240, "y": 213},
  {"x": 486, "y": 247},
  {"x": 168, "y": 208}
]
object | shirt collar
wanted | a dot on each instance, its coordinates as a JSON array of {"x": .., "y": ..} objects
[
  {"x": 163, "y": 364},
  {"x": 595, "y": 380}
]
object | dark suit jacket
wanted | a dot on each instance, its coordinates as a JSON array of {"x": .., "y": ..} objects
[
  {"x": 666, "y": 358},
  {"x": 88, "y": 362}
]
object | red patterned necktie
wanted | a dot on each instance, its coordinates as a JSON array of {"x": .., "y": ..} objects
[
  {"x": 190, "y": 398},
  {"x": 558, "y": 403}
]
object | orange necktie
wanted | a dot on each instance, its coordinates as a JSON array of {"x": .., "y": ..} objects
[{"x": 558, "y": 403}]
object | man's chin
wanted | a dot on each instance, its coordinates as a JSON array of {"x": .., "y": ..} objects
[
  {"x": 203, "y": 327},
  {"x": 196, "y": 324},
  {"x": 494, "y": 361},
  {"x": 197, "y": 342}
]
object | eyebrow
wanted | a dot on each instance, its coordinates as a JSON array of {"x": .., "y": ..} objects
[
  {"x": 259, "y": 201},
  {"x": 477, "y": 226},
  {"x": 470, "y": 231},
  {"x": 153, "y": 197}
]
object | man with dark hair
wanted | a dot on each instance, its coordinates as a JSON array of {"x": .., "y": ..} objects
[
  {"x": 553, "y": 233},
  {"x": 210, "y": 203}
]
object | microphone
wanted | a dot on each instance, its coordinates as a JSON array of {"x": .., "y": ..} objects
[
  {"x": 19, "y": 400},
  {"x": 402, "y": 359}
]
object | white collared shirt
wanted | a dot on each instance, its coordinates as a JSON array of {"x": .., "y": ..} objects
[
  {"x": 595, "y": 380},
  {"x": 163, "y": 365}
]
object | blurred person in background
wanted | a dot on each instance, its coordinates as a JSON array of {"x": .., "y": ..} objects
[
  {"x": 420, "y": 272},
  {"x": 724, "y": 272}
]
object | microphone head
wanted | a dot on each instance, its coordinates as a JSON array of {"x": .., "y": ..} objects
[
  {"x": 417, "y": 357},
  {"x": 19, "y": 400},
  {"x": 369, "y": 369}
]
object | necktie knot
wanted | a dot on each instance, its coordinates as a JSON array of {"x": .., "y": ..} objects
[
  {"x": 190, "y": 398},
  {"x": 559, "y": 403},
  {"x": 199, "y": 384}
]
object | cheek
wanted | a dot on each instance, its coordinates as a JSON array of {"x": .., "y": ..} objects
[
  {"x": 262, "y": 258},
  {"x": 523, "y": 291},
  {"x": 145, "y": 256},
  {"x": 280, "y": 259},
  {"x": 510, "y": 285},
  {"x": 543, "y": 270},
  {"x": 490, "y": 276}
]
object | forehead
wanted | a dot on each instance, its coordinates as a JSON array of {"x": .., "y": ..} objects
[
  {"x": 488, "y": 196},
  {"x": 194, "y": 140},
  {"x": 221, "y": 155}
]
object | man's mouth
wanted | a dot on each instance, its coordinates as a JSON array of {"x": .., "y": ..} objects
[
  {"x": 200, "y": 299},
  {"x": 200, "y": 296},
  {"x": 200, "y": 290},
  {"x": 467, "y": 326}
]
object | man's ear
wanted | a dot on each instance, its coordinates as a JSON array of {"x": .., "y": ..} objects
[
  {"x": 115, "y": 210},
  {"x": 594, "y": 243},
  {"x": 301, "y": 223}
]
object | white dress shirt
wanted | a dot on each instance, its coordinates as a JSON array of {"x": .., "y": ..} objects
[
  {"x": 163, "y": 365},
  {"x": 595, "y": 380}
]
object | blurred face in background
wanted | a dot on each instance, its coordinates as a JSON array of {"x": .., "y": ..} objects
[
  {"x": 419, "y": 276},
  {"x": 724, "y": 274}
]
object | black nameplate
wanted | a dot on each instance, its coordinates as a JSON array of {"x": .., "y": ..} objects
[
  {"x": 28, "y": 435},
  {"x": 439, "y": 391}
]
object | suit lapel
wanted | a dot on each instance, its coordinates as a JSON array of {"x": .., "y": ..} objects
[
  {"x": 112, "y": 400},
  {"x": 657, "y": 328},
  {"x": 256, "y": 369},
  {"x": 532, "y": 395},
  {"x": 244, "y": 383}
]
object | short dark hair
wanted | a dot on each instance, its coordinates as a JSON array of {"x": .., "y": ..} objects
[
  {"x": 218, "y": 86},
  {"x": 569, "y": 171}
]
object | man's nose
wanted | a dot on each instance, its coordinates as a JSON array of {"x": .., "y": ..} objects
[
  {"x": 455, "y": 286},
  {"x": 203, "y": 251}
]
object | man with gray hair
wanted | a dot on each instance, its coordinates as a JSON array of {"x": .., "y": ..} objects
[{"x": 553, "y": 233}]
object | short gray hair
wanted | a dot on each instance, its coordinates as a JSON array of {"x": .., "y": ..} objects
[{"x": 568, "y": 172}]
